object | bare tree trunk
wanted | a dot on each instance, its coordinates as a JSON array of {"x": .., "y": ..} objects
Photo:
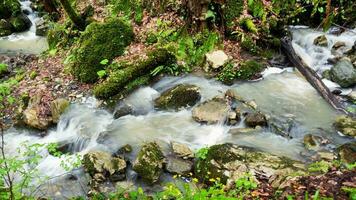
[
  {"x": 72, "y": 14},
  {"x": 8, "y": 180},
  {"x": 195, "y": 13}
]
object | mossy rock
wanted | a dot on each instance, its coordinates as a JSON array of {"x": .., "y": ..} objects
[
  {"x": 98, "y": 42},
  {"x": 149, "y": 162},
  {"x": 20, "y": 23},
  {"x": 118, "y": 80},
  {"x": 248, "y": 69},
  {"x": 346, "y": 125},
  {"x": 347, "y": 152},
  {"x": 228, "y": 161},
  {"x": 179, "y": 96},
  {"x": 5, "y": 28},
  {"x": 9, "y": 8}
]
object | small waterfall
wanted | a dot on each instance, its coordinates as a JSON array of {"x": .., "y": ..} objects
[{"x": 25, "y": 42}]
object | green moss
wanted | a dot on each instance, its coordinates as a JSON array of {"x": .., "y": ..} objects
[
  {"x": 9, "y": 8},
  {"x": 99, "y": 41},
  {"x": 248, "y": 24},
  {"x": 232, "y": 10},
  {"x": 5, "y": 28},
  {"x": 248, "y": 69},
  {"x": 33, "y": 75},
  {"x": 3, "y": 69},
  {"x": 20, "y": 23},
  {"x": 249, "y": 44},
  {"x": 118, "y": 79}
]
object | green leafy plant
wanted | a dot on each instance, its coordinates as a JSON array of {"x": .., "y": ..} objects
[
  {"x": 320, "y": 166},
  {"x": 3, "y": 68},
  {"x": 202, "y": 153},
  {"x": 104, "y": 62},
  {"x": 227, "y": 74}
]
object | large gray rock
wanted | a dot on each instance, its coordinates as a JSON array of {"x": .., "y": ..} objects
[
  {"x": 178, "y": 166},
  {"x": 211, "y": 111},
  {"x": 343, "y": 73},
  {"x": 31, "y": 115},
  {"x": 182, "y": 150},
  {"x": 182, "y": 95},
  {"x": 149, "y": 162},
  {"x": 101, "y": 166},
  {"x": 216, "y": 59}
]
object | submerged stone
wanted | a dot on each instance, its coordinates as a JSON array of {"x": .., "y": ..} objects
[
  {"x": 211, "y": 111},
  {"x": 149, "y": 162},
  {"x": 182, "y": 95}
]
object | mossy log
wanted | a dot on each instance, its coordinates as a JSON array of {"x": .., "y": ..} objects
[
  {"x": 311, "y": 76},
  {"x": 72, "y": 14},
  {"x": 117, "y": 80}
]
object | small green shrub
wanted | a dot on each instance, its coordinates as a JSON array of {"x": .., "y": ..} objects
[
  {"x": 3, "y": 69},
  {"x": 33, "y": 75},
  {"x": 202, "y": 153},
  {"x": 227, "y": 74}
]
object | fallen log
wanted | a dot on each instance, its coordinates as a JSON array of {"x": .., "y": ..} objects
[{"x": 311, "y": 76}]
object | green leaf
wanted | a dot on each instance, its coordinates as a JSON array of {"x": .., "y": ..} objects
[{"x": 104, "y": 62}]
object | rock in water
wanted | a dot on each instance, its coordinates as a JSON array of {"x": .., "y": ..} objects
[
  {"x": 255, "y": 119},
  {"x": 31, "y": 115},
  {"x": 321, "y": 41},
  {"x": 101, "y": 165},
  {"x": 182, "y": 150},
  {"x": 178, "y": 166},
  {"x": 216, "y": 59},
  {"x": 20, "y": 23},
  {"x": 58, "y": 107},
  {"x": 123, "y": 110},
  {"x": 230, "y": 162},
  {"x": 346, "y": 125},
  {"x": 149, "y": 162},
  {"x": 343, "y": 73},
  {"x": 347, "y": 152},
  {"x": 41, "y": 27},
  {"x": 211, "y": 111},
  {"x": 179, "y": 96}
]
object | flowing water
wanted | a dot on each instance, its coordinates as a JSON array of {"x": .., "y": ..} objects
[
  {"x": 280, "y": 94},
  {"x": 26, "y": 42}
]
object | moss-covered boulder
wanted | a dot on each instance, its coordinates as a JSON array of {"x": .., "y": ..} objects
[
  {"x": 98, "y": 42},
  {"x": 9, "y": 8},
  {"x": 346, "y": 125},
  {"x": 20, "y": 23},
  {"x": 149, "y": 162},
  {"x": 248, "y": 69},
  {"x": 58, "y": 107},
  {"x": 101, "y": 166},
  {"x": 5, "y": 28},
  {"x": 119, "y": 79},
  {"x": 321, "y": 41},
  {"x": 229, "y": 162},
  {"x": 179, "y": 96},
  {"x": 347, "y": 153}
]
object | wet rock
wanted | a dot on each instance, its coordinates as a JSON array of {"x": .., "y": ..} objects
[
  {"x": 182, "y": 150},
  {"x": 255, "y": 119},
  {"x": 346, "y": 125},
  {"x": 321, "y": 41},
  {"x": 58, "y": 107},
  {"x": 31, "y": 115},
  {"x": 343, "y": 73},
  {"x": 123, "y": 110},
  {"x": 233, "y": 118},
  {"x": 5, "y": 28},
  {"x": 179, "y": 96},
  {"x": 338, "y": 45},
  {"x": 101, "y": 166},
  {"x": 124, "y": 150},
  {"x": 312, "y": 142},
  {"x": 326, "y": 74},
  {"x": 178, "y": 166},
  {"x": 229, "y": 162},
  {"x": 236, "y": 131},
  {"x": 211, "y": 111},
  {"x": 20, "y": 23},
  {"x": 216, "y": 59},
  {"x": 231, "y": 93},
  {"x": 41, "y": 27},
  {"x": 149, "y": 162},
  {"x": 352, "y": 96},
  {"x": 347, "y": 152}
]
